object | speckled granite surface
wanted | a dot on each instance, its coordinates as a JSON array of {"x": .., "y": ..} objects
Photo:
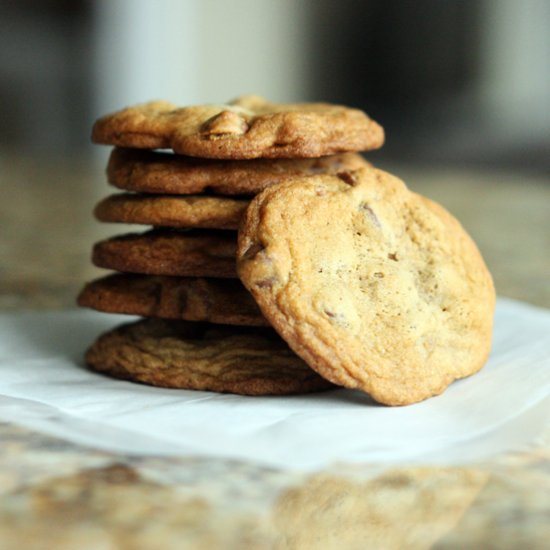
[{"x": 56, "y": 495}]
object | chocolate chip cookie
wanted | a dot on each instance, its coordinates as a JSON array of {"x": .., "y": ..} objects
[
  {"x": 189, "y": 211},
  {"x": 375, "y": 287},
  {"x": 165, "y": 252},
  {"x": 246, "y": 128},
  {"x": 223, "y": 301},
  {"x": 196, "y": 356},
  {"x": 165, "y": 173}
]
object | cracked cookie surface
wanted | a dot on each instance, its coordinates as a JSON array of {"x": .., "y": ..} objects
[
  {"x": 197, "y": 356},
  {"x": 189, "y": 211},
  {"x": 246, "y": 128},
  {"x": 223, "y": 301},
  {"x": 375, "y": 287},
  {"x": 164, "y": 252},
  {"x": 159, "y": 172}
]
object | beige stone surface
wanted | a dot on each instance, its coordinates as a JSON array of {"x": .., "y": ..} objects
[{"x": 57, "y": 495}]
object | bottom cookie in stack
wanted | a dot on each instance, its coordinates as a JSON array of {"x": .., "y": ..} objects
[{"x": 201, "y": 356}]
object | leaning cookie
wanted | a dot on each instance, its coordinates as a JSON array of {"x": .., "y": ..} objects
[
  {"x": 165, "y": 252},
  {"x": 246, "y": 128},
  {"x": 165, "y": 173},
  {"x": 196, "y": 356},
  {"x": 375, "y": 287},
  {"x": 223, "y": 301},
  {"x": 189, "y": 211}
]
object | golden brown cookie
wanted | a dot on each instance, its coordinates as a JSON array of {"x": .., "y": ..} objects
[
  {"x": 165, "y": 252},
  {"x": 375, "y": 287},
  {"x": 223, "y": 301},
  {"x": 246, "y": 128},
  {"x": 196, "y": 356},
  {"x": 165, "y": 173},
  {"x": 190, "y": 211}
]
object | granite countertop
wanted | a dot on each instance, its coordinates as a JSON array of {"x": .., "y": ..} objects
[{"x": 56, "y": 494}]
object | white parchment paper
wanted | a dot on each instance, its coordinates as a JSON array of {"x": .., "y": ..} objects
[{"x": 44, "y": 385}]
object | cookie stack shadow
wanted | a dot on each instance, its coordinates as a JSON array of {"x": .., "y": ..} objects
[{"x": 201, "y": 329}]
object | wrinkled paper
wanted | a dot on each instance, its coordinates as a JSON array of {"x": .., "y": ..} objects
[{"x": 44, "y": 385}]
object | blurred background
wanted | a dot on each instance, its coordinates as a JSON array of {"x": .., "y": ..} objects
[
  {"x": 462, "y": 88},
  {"x": 466, "y": 81}
]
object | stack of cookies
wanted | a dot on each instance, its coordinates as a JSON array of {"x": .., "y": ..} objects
[
  {"x": 346, "y": 276},
  {"x": 203, "y": 330}
]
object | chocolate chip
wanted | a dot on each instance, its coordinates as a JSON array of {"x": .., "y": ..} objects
[
  {"x": 370, "y": 213},
  {"x": 393, "y": 256},
  {"x": 347, "y": 177},
  {"x": 155, "y": 292},
  {"x": 336, "y": 318},
  {"x": 183, "y": 300},
  {"x": 266, "y": 283},
  {"x": 226, "y": 122},
  {"x": 252, "y": 250},
  {"x": 317, "y": 168}
]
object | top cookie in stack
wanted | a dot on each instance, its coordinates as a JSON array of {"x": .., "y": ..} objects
[
  {"x": 194, "y": 197},
  {"x": 247, "y": 128}
]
